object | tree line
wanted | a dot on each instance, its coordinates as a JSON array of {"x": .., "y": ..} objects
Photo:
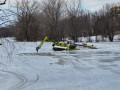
[{"x": 59, "y": 19}]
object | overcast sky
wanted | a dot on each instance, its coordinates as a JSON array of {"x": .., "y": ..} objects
[{"x": 91, "y": 5}]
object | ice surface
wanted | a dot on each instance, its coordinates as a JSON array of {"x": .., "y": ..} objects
[
  {"x": 84, "y": 69},
  {"x": 9, "y": 80}
]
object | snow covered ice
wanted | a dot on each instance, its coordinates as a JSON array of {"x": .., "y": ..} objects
[{"x": 84, "y": 69}]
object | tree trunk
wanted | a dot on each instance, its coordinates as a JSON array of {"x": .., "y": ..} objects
[
  {"x": 96, "y": 39},
  {"x": 110, "y": 37}
]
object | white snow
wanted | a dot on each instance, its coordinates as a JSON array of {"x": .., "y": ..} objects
[
  {"x": 99, "y": 38},
  {"x": 84, "y": 69}
]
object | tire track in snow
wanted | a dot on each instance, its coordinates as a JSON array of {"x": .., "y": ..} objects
[
  {"x": 28, "y": 83},
  {"x": 21, "y": 78}
]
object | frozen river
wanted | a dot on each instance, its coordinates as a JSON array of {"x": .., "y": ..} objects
[{"x": 84, "y": 69}]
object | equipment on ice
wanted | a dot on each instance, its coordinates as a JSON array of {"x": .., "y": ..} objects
[{"x": 67, "y": 45}]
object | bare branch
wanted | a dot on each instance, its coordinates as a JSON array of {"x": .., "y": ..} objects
[{"x": 3, "y": 2}]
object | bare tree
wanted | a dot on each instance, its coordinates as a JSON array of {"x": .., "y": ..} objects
[
  {"x": 105, "y": 23},
  {"x": 52, "y": 9},
  {"x": 110, "y": 21},
  {"x": 3, "y": 2},
  {"x": 27, "y": 24},
  {"x": 88, "y": 25},
  {"x": 74, "y": 12}
]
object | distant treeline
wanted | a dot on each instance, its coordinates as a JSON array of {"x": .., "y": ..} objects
[{"x": 58, "y": 19}]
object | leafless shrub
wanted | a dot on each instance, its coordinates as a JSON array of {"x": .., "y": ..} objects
[{"x": 52, "y": 9}]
